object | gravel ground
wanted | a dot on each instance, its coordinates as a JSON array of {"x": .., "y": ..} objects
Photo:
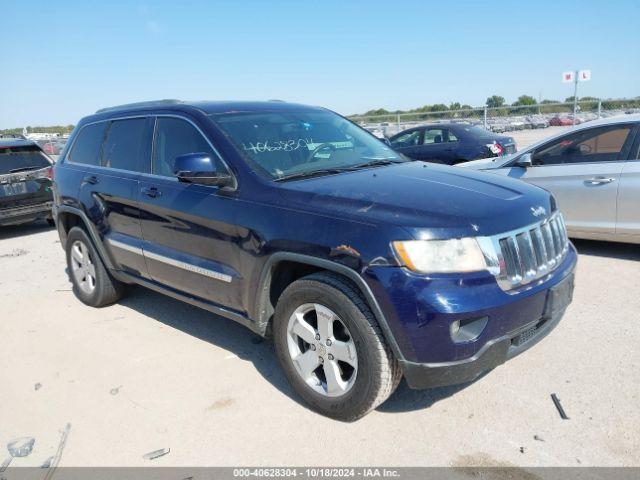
[
  {"x": 524, "y": 138},
  {"x": 152, "y": 372}
]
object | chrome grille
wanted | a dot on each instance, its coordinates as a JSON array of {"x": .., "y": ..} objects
[{"x": 528, "y": 254}]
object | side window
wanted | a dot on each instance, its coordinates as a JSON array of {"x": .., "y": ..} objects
[
  {"x": 604, "y": 144},
  {"x": 408, "y": 139},
  {"x": 124, "y": 145},
  {"x": 451, "y": 137},
  {"x": 433, "y": 135},
  {"x": 86, "y": 149},
  {"x": 175, "y": 137}
]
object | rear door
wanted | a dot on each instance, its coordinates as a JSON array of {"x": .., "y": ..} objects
[
  {"x": 628, "y": 220},
  {"x": 190, "y": 240},
  {"x": 435, "y": 146},
  {"x": 582, "y": 170},
  {"x": 24, "y": 177},
  {"x": 112, "y": 154}
]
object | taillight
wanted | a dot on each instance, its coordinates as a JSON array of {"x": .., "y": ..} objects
[
  {"x": 49, "y": 173},
  {"x": 495, "y": 148}
]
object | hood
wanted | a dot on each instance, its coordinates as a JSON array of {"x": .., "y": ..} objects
[{"x": 428, "y": 200}]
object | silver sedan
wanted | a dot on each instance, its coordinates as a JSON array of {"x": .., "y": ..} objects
[{"x": 593, "y": 171}]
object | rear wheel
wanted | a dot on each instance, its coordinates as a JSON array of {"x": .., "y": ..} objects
[
  {"x": 92, "y": 283},
  {"x": 331, "y": 347}
]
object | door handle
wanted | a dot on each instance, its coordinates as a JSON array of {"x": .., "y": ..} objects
[
  {"x": 599, "y": 180},
  {"x": 92, "y": 179},
  {"x": 152, "y": 192}
]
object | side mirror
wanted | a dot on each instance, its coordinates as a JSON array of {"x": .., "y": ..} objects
[
  {"x": 201, "y": 169},
  {"x": 525, "y": 161}
]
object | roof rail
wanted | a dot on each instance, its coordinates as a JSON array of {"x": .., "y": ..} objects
[{"x": 151, "y": 103}]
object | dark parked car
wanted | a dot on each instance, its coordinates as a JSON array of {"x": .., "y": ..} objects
[
  {"x": 25, "y": 182},
  {"x": 451, "y": 143},
  {"x": 298, "y": 224},
  {"x": 53, "y": 146}
]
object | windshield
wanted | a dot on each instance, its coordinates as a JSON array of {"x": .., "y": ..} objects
[{"x": 296, "y": 144}]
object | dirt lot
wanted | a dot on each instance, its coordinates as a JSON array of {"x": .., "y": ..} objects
[
  {"x": 152, "y": 372},
  {"x": 524, "y": 138}
]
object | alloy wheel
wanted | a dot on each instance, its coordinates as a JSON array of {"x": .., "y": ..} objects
[
  {"x": 84, "y": 271},
  {"x": 322, "y": 349}
]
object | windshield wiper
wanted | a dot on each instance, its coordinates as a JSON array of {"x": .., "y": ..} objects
[
  {"x": 376, "y": 162},
  {"x": 24, "y": 169},
  {"x": 385, "y": 159},
  {"x": 313, "y": 173}
]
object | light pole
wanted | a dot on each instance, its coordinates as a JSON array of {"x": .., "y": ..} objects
[
  {"x": 575, "y": 77},
  {"x": 575, "y": 96}
]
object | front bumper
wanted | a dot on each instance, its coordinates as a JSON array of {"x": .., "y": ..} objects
[
  {"x": 420, "y": 312},
  {"x": 495, "y": 352},
  {"x": 26, "y": 213}
]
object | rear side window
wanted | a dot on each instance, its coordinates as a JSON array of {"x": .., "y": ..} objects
[
  {"x": 124, "y": 144},
  {"x": 21, "y": 159},
  {"x": 86, "y": 149},
  {"x": 175, "y": 137},
  {"x": 434, "y": 135}
]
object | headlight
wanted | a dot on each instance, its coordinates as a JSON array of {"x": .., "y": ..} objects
[{"x": 441, "y": 256}]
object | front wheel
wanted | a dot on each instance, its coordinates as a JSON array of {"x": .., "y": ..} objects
[{"x": 331, "y": 347}]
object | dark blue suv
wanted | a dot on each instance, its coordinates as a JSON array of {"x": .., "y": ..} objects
[{"x": 363, "y": 266}]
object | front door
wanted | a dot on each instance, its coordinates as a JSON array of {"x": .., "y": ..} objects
[
  {"x": 628, "y": 221},
  {"x": 190, "y": 240},
  {"x": 407, "y": 143},
  {"x": 583, "y": 171}
]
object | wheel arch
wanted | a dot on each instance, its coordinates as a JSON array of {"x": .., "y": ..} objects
[
  {"x": 68, "y": 217},
  {"x": 273, "y": 282}
]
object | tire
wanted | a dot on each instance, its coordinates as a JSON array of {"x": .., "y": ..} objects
[
  {"x": 104, "y": 289},
  {"x": 377, "y": 372}
]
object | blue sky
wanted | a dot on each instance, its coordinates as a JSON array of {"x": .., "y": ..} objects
[{"x": 63, "y": 60}]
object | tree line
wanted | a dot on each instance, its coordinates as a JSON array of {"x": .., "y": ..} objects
[
  {"x": 62, "y": 129},
  {"x": 500, "y": 107}
]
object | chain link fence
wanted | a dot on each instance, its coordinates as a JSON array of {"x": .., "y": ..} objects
[{"x": 504, "y": 118}]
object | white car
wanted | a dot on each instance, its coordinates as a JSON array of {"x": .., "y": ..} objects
[{"x": 593, "y": 170}]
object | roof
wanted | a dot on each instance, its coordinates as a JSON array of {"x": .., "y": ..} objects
[
  {"x": 209, "y": 107},
  {"x": 16, "y": 142}
]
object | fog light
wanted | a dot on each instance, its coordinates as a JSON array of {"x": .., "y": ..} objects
[{"x": 467, "y": 330}]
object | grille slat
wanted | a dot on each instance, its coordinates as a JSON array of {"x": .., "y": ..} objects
[
  {"x": 531, "y": 253},
  {"x": 557, "y": 236},
  {"x": 548, "y": 241}
]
